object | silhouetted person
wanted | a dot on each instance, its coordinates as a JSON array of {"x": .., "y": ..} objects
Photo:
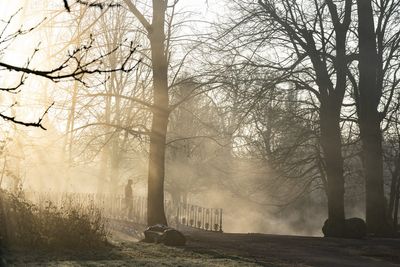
[{"x": 129, "y": 198}]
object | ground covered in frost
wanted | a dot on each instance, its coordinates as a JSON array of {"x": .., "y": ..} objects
[{"x": 215, "y": 249}]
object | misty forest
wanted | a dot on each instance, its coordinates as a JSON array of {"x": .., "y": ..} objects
[{"x": 200, "y": 133}]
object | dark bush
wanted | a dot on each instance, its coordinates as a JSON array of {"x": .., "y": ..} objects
[
  {"x": 352, "y": 228},
  {"x": 355, "y": 228}
]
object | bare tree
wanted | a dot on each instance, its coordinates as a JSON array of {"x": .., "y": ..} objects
[
  {"x": 378, "y": 82},
  {"x": 309, "y": 40},
  {"x": 159, "y": 32},
  {"x": 76, "y": 65}
]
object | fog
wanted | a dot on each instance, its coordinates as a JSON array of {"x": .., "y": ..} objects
[{"x": 235, "y": 138}]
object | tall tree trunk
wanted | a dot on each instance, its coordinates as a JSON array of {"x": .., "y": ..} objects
[
  {"x": 332, "y": 147},
  {"x": 396, "y": 207},
  {"x": 155, "y": 204},
  {"x": 330, "y": 136},
  {"x": 3, "y": 226},
  {"x": 369, "y": 121},
  {"x": 393, "y": 186}
]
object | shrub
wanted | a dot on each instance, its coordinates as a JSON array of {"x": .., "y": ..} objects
[{"x": 68, "y": 225}]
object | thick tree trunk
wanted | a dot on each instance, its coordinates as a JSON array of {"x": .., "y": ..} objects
[
  {"x": 155, "y": 205},
  {"x": 332, "y": 147},
  {"x": 331, "y": 140},
  {"x": 393, "y": 188},
  {"x": 369, "y": 121},
  {"x": 373, "y": 166},
  {"x": 396, "y": 208},
  {"x": 3, "y": 226}
]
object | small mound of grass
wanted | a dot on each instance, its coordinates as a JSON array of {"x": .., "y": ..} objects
[{"x": 71, "y": 226}]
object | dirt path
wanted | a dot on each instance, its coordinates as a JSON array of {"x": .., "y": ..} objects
[{"x": 215, "y": 249}]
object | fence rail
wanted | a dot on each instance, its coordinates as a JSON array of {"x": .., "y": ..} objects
[
  {"x": 194, "y": 216},
  {"x": 135, "y": 210}
]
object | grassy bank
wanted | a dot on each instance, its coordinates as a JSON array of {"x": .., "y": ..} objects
[{"x": 47, "y": 226}]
